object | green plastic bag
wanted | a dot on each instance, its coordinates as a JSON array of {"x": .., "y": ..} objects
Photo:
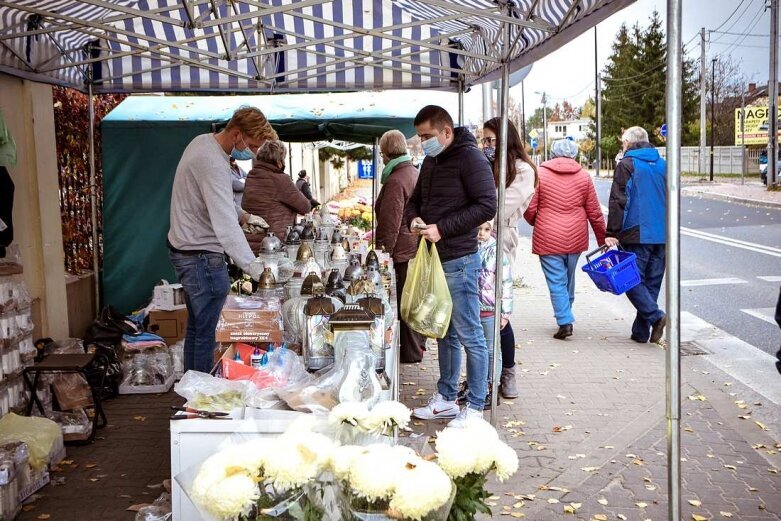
[{"x": 425, "y": 301}]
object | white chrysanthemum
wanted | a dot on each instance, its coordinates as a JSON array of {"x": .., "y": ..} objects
[
  {"x": 233, "y": 457},
  {"x": 293, "y": 461},
  {"x": 456, "y": 452},
  {"x": 342, "y": 460},
  {"x": 506, "y": 460},
  {"x": 351, "y": 413},
  {"x": 228, "y": 497},
  {"x": 374, "y": 474},
  {"x": 387, "y": 415},
  {"x": 422, "y": 488}
]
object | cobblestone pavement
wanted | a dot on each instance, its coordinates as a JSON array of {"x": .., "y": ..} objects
[
  {"x": 590, "y": 428},
  {"x": 603, "y": 394}
]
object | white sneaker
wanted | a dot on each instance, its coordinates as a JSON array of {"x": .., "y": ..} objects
[
  {"x": 437, "y": 408},
  {"x": 466, "y": 415}
]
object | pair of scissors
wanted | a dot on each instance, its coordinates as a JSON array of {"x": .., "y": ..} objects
[{"x": 195, "y": 413}]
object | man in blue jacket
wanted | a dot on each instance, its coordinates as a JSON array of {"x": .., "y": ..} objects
[
  {"x": 454, "y": 195},
  {"x": 638, "y": 220}
]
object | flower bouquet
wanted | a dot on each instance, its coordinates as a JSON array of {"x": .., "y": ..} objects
[
  {"x": 358, "y": 215},
  {"x": 264, "y": 479},
  {"x": 468, "y": 455},
  {"x": 354, "y": 423},
  {"x": 383, "y": 482}
]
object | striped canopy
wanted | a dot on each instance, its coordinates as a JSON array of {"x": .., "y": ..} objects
[{"x": 282, "y": 45}]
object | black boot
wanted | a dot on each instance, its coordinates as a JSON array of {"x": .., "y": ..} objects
[{"x": 563, "y": 332}]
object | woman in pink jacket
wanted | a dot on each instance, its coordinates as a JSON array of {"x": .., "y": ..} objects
[{"x": 561, "y": 210}]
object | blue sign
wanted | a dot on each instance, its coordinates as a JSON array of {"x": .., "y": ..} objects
[
  {"x": 365, "y": 169},
  {"x": 663, "y": 130},
  {"x": 534, "y": 143}
]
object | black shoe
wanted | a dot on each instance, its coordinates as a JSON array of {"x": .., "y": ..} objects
[
  {"x": 461, "y": 396},
  {"x": 633, "y": 337},
  {"x": 563, "y": 332},
  {"x": 487, "y": 406},
  {"x": 657, "y": 330},
  {"x": 778, "y": 362}
]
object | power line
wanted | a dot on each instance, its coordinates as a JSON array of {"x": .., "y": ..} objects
[
  {"x": 730, "y": 16},
  {"x": 581, "y": 91},
  {"x": 745, "y": 9},
  {"x": 742, "y": 34},
  {"x": 736, "y": 44},
  {"x": 756, "y": 19}
]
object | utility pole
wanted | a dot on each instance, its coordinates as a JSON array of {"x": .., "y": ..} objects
[
  {"x": 743, "y": 136},
  {"x": 523, "y": 113},
  {"x": 597, "y": 106},
  {"x": 545, "y": 126},
  {"x": 712, "y": 113},
  {"x": 703, "y": 128},
  {"x": 772, "y": 92}
]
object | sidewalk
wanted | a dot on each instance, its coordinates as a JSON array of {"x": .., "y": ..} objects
[
  {"x": 752, "y": 192},
  {"x": 590, "y": 428}
]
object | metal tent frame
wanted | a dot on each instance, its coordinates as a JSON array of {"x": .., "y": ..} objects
[{"x": 334, "y": 45}]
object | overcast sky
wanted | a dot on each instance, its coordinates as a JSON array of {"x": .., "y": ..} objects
[{"x": 569, "y": 72}]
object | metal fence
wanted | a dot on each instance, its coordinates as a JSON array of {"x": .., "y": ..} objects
[{"x": 726, "y": 160}]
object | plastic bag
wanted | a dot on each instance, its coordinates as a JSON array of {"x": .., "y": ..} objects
[
  {"x": 207, "y": 393},
  {"x": 148, "y": 368},
  {"x": 74, "y": 425},
  {"x": 40, "y": 434},
  {"x": 160, "y": 510},
  {"x": 72, "y": 391},
  {"x": 177, "y": 354},
  {"x": 425, "y": 301},
  {"x": 284, "y": 368}
]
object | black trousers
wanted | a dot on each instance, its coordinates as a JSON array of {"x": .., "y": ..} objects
[
  {"x": 411, "y": 343},
  {"x": 508, "y": 347}
]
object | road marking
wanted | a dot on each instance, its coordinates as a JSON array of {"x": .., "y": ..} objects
[
  {"x": 771, "y": 278},
  {"x": 726, "y": 241},
  {"x": 766, "y": 314},
  {"x": 712, "y": 282}
]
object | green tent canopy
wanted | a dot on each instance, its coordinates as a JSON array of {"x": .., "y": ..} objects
[{"x": 144, "y": 137}]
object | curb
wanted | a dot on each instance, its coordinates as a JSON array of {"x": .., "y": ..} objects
[{"x": 731, "y": 198}]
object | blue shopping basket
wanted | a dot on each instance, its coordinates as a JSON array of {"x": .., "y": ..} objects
[{"x": 615, "y": 271}]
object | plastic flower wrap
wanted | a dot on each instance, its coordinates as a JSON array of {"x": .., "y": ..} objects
[
  {"x": 422, "y": 487},
  {"x": 387, "y": 415}
]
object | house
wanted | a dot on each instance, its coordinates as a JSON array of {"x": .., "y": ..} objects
[{"x": 577, "y": 129}]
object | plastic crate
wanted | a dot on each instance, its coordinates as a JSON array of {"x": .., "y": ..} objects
[{"x": 615, "y": 271}]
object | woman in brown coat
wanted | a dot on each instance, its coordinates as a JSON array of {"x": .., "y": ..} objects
[
  {"x": 398, "y": 181},
  {"x": 270, "y": 193}
]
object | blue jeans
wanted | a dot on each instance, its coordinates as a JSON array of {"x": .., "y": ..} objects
[
  {"x": 488, "y": 332},
  {"x": 465, "y": 329},
  {"x": 651, "y": 265},
  {"x": 204, "y": 278},
  {"x": 560, "y": 275}
]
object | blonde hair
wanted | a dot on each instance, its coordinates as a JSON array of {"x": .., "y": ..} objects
[
  {"x": 252, "y": 122},
  {"x": 393, "y": 144},
  {"x": 272, "y": 151}
]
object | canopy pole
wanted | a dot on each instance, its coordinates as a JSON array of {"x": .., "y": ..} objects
[
  {"x": 487, "y": 101},
  {"x": 504, "y": 100},
  {"x": 672, "y": 289},
  {"x": 375, "y": 181},
  {"x": 461, "y": 101},
  {"x": 93, "y": 195}
]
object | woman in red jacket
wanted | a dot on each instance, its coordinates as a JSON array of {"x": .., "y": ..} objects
[{"x": 561, "y": 210}]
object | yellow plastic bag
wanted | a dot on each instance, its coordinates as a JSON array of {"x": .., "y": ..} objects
[{"x": 425, "y": 301}]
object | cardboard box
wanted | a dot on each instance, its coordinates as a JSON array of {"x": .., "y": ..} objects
[
  {"x": 168, "y": 297},
  {"x": 171, "y": 325},
  {"x": 249, "y": 319}
]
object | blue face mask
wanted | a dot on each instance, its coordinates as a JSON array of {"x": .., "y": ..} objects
[
  {"x": 242, "y": 155},
  {"x": 432, "y": 147}
]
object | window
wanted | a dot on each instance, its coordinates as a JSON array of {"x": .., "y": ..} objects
[
  {"x": 583, "y": 128},
  {"x": 561, "y": 129}
]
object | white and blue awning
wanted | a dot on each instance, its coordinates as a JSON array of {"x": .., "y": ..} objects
[{"x": 281, "y": 45}]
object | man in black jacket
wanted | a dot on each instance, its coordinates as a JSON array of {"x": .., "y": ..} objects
[
  {"x": 454, "y": 195},
  {"x": 303, "y": 185}
]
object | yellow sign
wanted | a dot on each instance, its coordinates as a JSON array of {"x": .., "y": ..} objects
[{"x": 755, "y": 126}]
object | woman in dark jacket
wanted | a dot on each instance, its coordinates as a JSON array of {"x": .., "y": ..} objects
[
  {"x": 270, "y": 193},
  {"x": 398, "y": 182}
]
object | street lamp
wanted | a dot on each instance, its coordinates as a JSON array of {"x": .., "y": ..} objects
[
  {"x": 544, "y": 124},
  {"x": 712, "y": 113}
]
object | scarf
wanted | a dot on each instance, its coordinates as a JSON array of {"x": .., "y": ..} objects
[{"x": 388, "y": 169}]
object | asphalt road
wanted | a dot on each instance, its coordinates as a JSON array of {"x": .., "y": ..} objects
[{"x": 730, "y": 266}]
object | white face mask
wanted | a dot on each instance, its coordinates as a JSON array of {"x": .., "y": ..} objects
[{"x": 432, "y": 147}]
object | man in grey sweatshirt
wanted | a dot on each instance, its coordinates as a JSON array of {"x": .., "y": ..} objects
[{"x": 206, "y": 225}]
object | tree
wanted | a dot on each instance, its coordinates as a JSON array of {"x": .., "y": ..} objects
[
  {"x": 634, "y": 86},
  {"x": 727, "y": 84}
]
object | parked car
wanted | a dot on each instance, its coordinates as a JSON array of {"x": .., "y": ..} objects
[{"x": 763, "y": 166}]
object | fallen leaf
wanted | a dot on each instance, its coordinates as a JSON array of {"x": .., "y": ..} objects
[
  {"x": 91, "y": 465},
  {"x": 696, "y": 517},
  {"x": 725, "y": 514},
  {"x": 744, "y": 417},
  {"x": 641, "y": 505},
  {"x": 561, "y": 429},
  {"x": 622, "y": 517},
  {"x": 600, "y": 517},
  {"x": 589, "y": 469},
  {"x": 519, "y": 504},
  {"x": 572, "y": 508},
  {"x": 730, "y": 467},
  {"x": 695, "y": 503},
  {"x": 67, "y": 462},
  {"x": 517, "y": 515},
  {"x": 697, "y": 397},
  {"x": 43, "y": 516},
  {"x": 638, "y": 462},
  {"x": 773, "y": 471},
  {"x": 602, "y": 501},
  {"x": 688, "y": 429},
  {"x": 27, "y": 508},
  {"x": 553, "y": 500},
  {"x": 94, "y": 479},
  {"x": 139, "y": 418},
  {"x": 761, "y": 425}
]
